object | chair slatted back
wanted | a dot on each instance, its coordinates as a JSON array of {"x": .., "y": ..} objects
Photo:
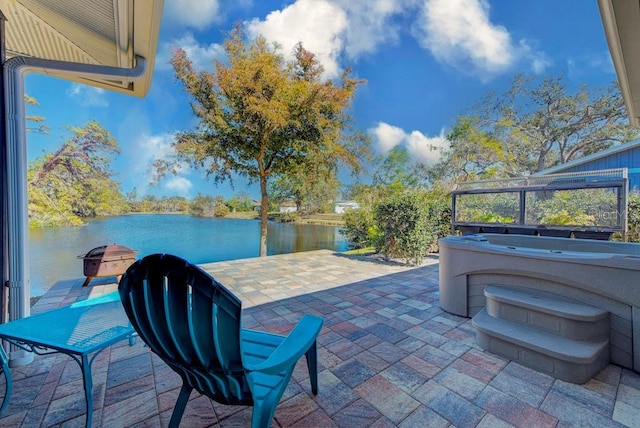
[{"x": 191, "y": 321}]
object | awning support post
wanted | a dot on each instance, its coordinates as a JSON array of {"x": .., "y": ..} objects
[{"x": 15, "y": 199}]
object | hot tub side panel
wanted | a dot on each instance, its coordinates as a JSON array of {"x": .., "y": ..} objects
[
  {"x": 609, "y": 282},
  {"x": 453, "y": 268}
]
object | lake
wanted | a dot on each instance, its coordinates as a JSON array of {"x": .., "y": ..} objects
[{"x": 54, "y": 251}]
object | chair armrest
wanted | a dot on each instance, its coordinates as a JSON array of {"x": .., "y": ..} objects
[{"x": 296, "y": 344}]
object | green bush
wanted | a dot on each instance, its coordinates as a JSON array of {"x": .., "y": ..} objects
[
  {"x": 581, "y": 207},
  {"x": 411, "y": 225},
  {"x": 360, "y": 228},
  {"x": 438, "y": 218},
  {"x": 221, "y": 210},
  {"x": 488, "y": 207},
  {"x": 403, "y": 221},
  {"x": 406, "y": 227},
  {"x": 633, "y": 217}
]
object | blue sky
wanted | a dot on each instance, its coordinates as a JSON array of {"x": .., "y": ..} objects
[{"x": 425, "y": 62}]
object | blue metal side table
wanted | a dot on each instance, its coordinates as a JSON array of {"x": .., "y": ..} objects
[{"x": 81, "y": 331}]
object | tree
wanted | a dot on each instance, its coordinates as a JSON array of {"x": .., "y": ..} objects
[
  {"x": 322, "y": 190},
  {"x": 564, "y": 126},
  {"x": 37, "y": 121},
  {"x": 241, "y": 202},
  {"x": 75, "y": 182},
  {"x": 473, "y": 153},
  {"x": 310, "y": 186},
  {"x": 208, "y": 206},
  {"x": 633, "y": 217},
  {"x": 147, "y": 204},
  {"x": 261, "y": 116},
  {"x": 396, "y": 173},
  {"x": 174, "y": 204},
  {"x": 202, "y": 206},
  {"x": 535, "y": 125}
]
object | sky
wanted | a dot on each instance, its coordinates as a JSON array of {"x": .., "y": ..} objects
[{"x": 424, "y": 61}]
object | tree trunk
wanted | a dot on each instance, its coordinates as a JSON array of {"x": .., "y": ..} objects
[{"x": 264, "y": 211}]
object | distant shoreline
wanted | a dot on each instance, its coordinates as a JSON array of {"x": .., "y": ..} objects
[{"x": 334, "y": 220}]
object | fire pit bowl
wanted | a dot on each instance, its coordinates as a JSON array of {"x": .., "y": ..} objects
[{"x": 107, "y": 260}]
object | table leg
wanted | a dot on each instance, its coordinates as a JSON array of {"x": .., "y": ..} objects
[
  {"x": 4, "y": 361},
  {"x": 88, "y": 388}
]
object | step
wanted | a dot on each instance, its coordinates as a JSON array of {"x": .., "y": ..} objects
[
  {"x": 551, "y": 313},
  {"x": 571, "y": 360}
]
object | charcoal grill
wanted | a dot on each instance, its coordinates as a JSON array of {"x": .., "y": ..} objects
[{"x": 107, "y": 260}]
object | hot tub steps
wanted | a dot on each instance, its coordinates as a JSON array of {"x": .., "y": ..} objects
[{"x": 565, "y": 339}]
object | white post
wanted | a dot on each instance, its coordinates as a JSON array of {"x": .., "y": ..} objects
[{"x": 16, "y": 206}]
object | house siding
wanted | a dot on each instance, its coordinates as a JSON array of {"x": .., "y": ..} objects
[
  {"x": 622, "y": 156},
  {"x": 629, "y": 159}
]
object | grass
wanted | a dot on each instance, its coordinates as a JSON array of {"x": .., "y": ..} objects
[
  {"x": 360, "y": 251},
  {"x": 322, "y": 219},
  {"x": 325, "y": 219},
  {"x": 248, "y": 215}
]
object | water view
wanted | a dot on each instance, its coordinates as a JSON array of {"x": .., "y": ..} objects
[{"x": 54, "y": 251}]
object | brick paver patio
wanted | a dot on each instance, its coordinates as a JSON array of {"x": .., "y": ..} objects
[{"x": 388, "y": 356}]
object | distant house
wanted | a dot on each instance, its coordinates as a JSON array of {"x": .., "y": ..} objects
[
  {"x": 341, "y": 207},
  {"x": 622, "y": 156},
  {"x": 288, "y": 206}
]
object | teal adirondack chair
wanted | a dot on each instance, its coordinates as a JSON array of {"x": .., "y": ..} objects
[{"x": 192, "y": 322}]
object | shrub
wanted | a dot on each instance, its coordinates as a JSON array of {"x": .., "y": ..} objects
[
  {"x": 582, "y": 207},
  {"x": 359, "y": 227},
  {"x": 488, "y": 207},
  {"x": 633, "y": 217},
  {"x": 438, "y": 217},
  {"x": 403, "y": 221},
  {"x": 405, "y": 226},
  {"x": 221, "y": 209}
]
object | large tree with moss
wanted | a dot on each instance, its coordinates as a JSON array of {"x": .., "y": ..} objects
[
  {"x": 538, "y": 123},
  {"x": 262, "y": 116},
  {"x": 75, "y": 181}
]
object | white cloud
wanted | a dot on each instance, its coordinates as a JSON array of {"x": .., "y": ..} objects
[
  {"x": 426, "y": 150},
  {"x": 539, "y": 61},
  {"x": 201, "y": 55},
  {"x": 387, "y": 136},
  {"x": 179, "y": 185},
  {"x": 318, "y": 24},
  {"x": 334, "y": 28},
  {"x": 152, "y": 147},
  {"x": 459, "y": 33},
  {"x": 423, "y": 149},
  {"x": 371, "y": 24},
  {"x": 197, "y": 14},
  {"x": 88, "y": 96},
  {"x": 148, "y": 149}
]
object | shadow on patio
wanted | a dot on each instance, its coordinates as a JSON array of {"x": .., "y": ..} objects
[{"x": 388, "y": 356}]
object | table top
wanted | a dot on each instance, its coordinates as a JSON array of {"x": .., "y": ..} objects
[{"x": 81, "y": 328}]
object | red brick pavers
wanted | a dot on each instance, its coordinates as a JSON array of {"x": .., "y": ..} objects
[{"x": 388, "y": 356}]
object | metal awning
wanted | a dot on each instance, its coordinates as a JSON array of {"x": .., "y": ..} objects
[
  {"x": 621, "y": 21},
  {"x": 98, "y": 32}
]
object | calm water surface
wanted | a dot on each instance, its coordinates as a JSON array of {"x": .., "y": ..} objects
[{"x": 54, "y": 251}]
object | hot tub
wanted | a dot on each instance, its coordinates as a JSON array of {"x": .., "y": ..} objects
[{"x": 602, "y": 274}]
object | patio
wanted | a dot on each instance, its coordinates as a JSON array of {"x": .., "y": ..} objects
[{"x": 388, "y": 356}]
